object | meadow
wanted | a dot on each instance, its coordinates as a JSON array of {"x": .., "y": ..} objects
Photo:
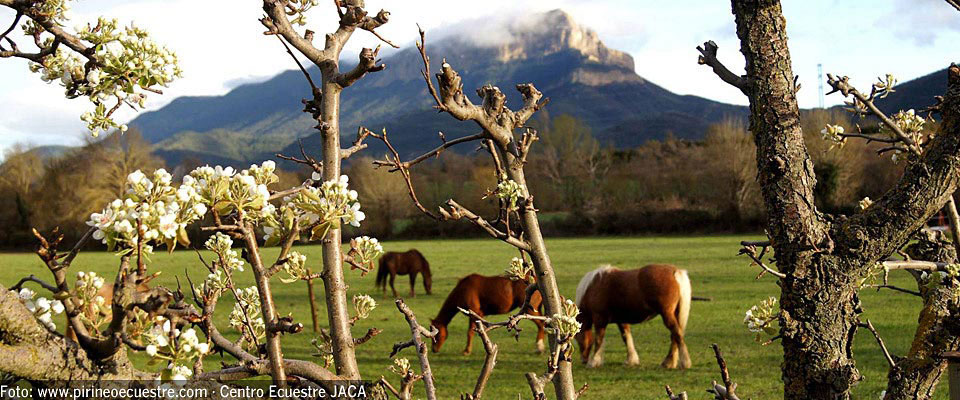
[{"x": 715, "y": 271}]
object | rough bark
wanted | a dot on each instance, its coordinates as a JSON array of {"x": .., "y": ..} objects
[
  {"x": 822, "y": 260},
  {"x": 915, "y": 376}
]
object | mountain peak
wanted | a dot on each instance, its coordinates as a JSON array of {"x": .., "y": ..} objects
[{"x": 542, "y": 34}]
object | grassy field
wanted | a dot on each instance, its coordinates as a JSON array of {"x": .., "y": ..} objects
[{"x": 715, "y": 271}]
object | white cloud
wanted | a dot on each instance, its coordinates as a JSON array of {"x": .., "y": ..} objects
[{"x": 220, "y": 44}]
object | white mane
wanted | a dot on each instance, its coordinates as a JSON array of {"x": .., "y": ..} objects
[{"x": 588, "y": 279}]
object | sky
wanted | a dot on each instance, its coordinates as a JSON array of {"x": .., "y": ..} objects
[{"x": 220, "y": 45}]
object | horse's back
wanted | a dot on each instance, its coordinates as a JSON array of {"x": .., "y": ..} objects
[
  {"x": 632, "y": 296},
  {"x": 403, "y": 263},
  {"x": 493, "y": 293}
]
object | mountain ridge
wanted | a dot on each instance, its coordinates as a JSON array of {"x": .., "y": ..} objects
[{"x": 566, "y": 61}]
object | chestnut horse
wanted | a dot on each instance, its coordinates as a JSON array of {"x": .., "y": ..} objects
[
  {"x": 485, "y": 295},
  {"x": 608, "y": 295},
  {"x": 408, "y": 263}
]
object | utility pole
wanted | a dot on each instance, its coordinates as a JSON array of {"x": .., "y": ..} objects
[{"x": 820, "y": 77}]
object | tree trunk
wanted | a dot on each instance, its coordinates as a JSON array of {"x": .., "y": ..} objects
[
  {"x": 916, "y": 375},
  {"x": 546, "y": 278},
  {"x": 333, "y": 283},
  {"x": 818, "y": 302}
]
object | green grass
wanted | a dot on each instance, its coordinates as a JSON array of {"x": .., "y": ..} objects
[{"x": 714, "y": 270}]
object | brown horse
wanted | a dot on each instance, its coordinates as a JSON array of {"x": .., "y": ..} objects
[
  {"x": 409, "y": 263},
  {"x": 608, "y": 295},
  {"x": 485, "y": 295}
]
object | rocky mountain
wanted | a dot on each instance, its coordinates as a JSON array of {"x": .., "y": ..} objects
[{"x": 566, "y": 61}]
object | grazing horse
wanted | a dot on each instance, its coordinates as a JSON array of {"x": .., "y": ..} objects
[
  {"x": 485, "y": 295},
  {"x": 608, "y": 295},
  {"x": 408, "y": 263}
]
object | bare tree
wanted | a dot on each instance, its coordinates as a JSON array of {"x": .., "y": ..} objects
[
  {"x": 498, "y": 125},
  {"x": 822, "y": 259}
]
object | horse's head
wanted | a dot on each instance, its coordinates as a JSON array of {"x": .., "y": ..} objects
[
  {"x": 441, "y": 335},
  {"x": 428, "y": 283}
]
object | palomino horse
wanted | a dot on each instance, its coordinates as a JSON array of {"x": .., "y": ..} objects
[
  {"x": 608, "y": 295},
  {"x": 485, "y": 295},
  {"x": 408, "y": 263}
]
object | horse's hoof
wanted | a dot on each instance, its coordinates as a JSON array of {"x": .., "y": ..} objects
[
  {"x": 466, "y": 352},
  {"x": 669, "y": 365},
  {"x": 632, "y": 363}
]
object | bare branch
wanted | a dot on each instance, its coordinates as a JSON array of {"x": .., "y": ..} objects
[
  {"x": 368, "y": 63},
  {"x": 728, "y": 390},
  {"x": 883, "y": 347},
  {"x": 671, "y": 396},
  {"x": 416, "y": 332},
  {"x": 751, "y": 251},
  {"x": 708, "y": 57}
]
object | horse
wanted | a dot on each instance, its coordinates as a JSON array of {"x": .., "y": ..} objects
[
  {"x": 410, "y": 262},
  {"x": 608, "y": 295},
  {"x": 485, "y": 295}
]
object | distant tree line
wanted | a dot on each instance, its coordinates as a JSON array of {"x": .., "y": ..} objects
[{"x": 584, "y": 186}]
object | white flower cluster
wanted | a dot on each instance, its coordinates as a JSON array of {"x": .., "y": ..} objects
[
  {"x": 55, "y": 10},
  {"x": 876, "y": 274},
  {"x": 518, "y": 270},
  {"x": 834, "y": 135},
  {"x": 910, "y": 123},
  {"x": 950, "y": 273},
  {"x": 92, "y": 306},
  {"x": 247, "y": 309},
  {"x": 162, "y": 211},
  {"x": 127, "y": 63},
  {"x": 763, "y": 318},
  {"x": 299, "y": 8},
  {"x": 325, "y": 207},
  {"x": 401, "y": 366},
  {"x": 884, "y": 86},
  {"x": 510, "y": 192},
  {"x": 365, "y": 250},
  {"x": 865, "y": 203},
  {"x": 295, "y": 266},
  {"x": 363, "y": 304},
  {"x": 167, "y": 343},
  {"x": 226, "y": 190},
  {"x": 42, "y": 308},
  {"x": 324, "y": 346},
  {"x": 565, "y": 324},
  {"x": 222, "y": 245}
]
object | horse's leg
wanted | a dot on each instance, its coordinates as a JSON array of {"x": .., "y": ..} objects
[
  {"x": 632, "y": 357},
  {"x": 587, "y": 343},
  {"x": 676, "y": 338},
  {"x": 393, "y": 277},
  {"x": 540, "y": 336},
  {"x": 472, "y": 323},
  {"x": 413, "y": 280},
  {"x": 597, "y": 359}
]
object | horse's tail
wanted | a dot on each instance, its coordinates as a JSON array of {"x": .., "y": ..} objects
[
  {"x": 587, "y": 280},
  {"x": 426, "y": 264},
  {"x": 686, "y": 294},
  {"x": 382, "y": 272}
]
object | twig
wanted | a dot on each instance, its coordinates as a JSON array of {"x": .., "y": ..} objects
[
  {"x": 416, "y": 332},
  {"x": 883, "y": 347},
  {"x": 671, "y": 396},
  {"x": 751, "y": 251},
  {"x": 728, "y": 390},
  {"x": 708, "y": 57}
]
